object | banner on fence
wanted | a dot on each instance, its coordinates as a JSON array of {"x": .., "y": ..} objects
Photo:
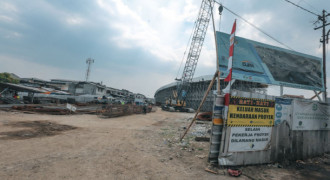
[
  {"x": 250, "y": 112},
  {"x": 310, "y": 115},
  {"x": 249, "y": 139},
  {"x": 283, "y": 110}
]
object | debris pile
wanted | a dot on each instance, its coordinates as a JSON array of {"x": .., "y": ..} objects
[{"x": 201, "y": 131}]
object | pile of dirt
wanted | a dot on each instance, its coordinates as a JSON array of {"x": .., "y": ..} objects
[{"x": 34, "y": 129}]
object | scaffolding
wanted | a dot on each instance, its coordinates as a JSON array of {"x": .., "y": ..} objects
[{"x": 199, "y": 87}]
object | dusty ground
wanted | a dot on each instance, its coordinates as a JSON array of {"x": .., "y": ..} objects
[{"x": 35, "y": 146}]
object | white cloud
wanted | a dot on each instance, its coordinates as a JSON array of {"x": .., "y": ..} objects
[
  {"x": 259, "y": 19},
  {"x": 8, "y": 12},
  {"x": 13, "y": 35},
  {"x": 68, "y": 18},
  {"x": 9, "y": 34},
  {"x": 154, "y": 26},
  {"x": 8, "y": 7},
  {"x": 74, "y": 20},
  {"x": 190, "y": 9},
  {"x": 5, "y": 18}
]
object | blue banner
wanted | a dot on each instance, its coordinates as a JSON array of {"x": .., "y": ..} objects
[{"x": 258, "y": 62}]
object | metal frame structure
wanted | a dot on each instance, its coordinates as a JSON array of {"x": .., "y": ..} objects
[
  {"x": 198, "y": 87},
  {"x": 196, "y": 45},
  {"x": 89, "y": 62}
]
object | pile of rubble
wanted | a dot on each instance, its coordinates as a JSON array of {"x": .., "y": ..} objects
[{"x": 122, "y": 110}]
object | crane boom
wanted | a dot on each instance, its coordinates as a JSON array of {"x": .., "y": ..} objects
[{"x": 196, "y": 45}]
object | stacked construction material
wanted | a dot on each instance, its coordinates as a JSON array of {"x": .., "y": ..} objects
[
  {"x": 109, "y": 111},
  {"x": 119, "y": 110},
  {"x": 54, "y": 110}
]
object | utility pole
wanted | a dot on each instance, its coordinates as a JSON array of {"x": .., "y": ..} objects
[
  {"x": 324, "y": 40},
  {"x": 89, "y": 62}
]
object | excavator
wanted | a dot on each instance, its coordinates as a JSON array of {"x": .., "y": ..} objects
[{"x": 177, "y": 102}]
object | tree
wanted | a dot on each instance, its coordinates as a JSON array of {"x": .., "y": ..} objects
[{"x": 7, "y": 78}]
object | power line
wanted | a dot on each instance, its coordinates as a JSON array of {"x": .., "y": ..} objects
[
  {"x": 256, "y": 27},
  {"x": 184, "y": 54},
  {"x": 302, "y": 8},
  {"x": 310, "y": 5}
]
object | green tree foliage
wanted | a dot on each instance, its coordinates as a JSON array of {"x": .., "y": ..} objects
[{"x": 6, "y": 78}]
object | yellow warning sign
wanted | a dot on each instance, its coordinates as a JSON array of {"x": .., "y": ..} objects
[{"x": 250, "y": 112}]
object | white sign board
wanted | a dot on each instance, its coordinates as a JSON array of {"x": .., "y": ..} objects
[
  {"x": 283, "y": 110},
  {"x": 71, "y": 107},
  {"x": 310, "y": 115},
  {"x": 249, "y": 139}
]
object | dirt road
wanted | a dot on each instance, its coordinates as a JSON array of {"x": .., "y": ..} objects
[
  {"x": 131, "y": 147},
  {"x": 35, "y": 146}
]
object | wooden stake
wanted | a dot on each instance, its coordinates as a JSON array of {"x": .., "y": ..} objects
[{"x": 211, "y": 171}]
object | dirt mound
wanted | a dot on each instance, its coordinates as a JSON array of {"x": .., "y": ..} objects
[{"x": 35, "y": 129}]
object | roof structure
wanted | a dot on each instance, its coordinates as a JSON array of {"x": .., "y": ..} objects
[{"x": 196, "y": 79}]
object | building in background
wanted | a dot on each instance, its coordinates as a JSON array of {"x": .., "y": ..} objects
[{"x": 74, "y": 88}]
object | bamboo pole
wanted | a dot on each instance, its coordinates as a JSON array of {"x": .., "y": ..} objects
[
  {"x": 216, "y": 52},
  {"x": 201, "y": 104},
  {"x": 316, "y": 95}
]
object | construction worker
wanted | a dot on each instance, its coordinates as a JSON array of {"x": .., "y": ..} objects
[
  {"x": 149, "y": 108},
  {"x": 145, "y": 109},
  {"x": 15, "y": 95}
]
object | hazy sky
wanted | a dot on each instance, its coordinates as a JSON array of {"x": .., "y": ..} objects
[{"x": 137, "y": 44}]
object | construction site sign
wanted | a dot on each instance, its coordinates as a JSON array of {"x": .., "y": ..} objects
[
  {"x": 262, "y": 63},
  {"x": 71, "y": 107},
  {"x": 250, "y": 112},
  {"x": 249, "y": 138}
]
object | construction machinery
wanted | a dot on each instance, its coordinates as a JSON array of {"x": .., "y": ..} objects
[{"x": 178, "y": 101}]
